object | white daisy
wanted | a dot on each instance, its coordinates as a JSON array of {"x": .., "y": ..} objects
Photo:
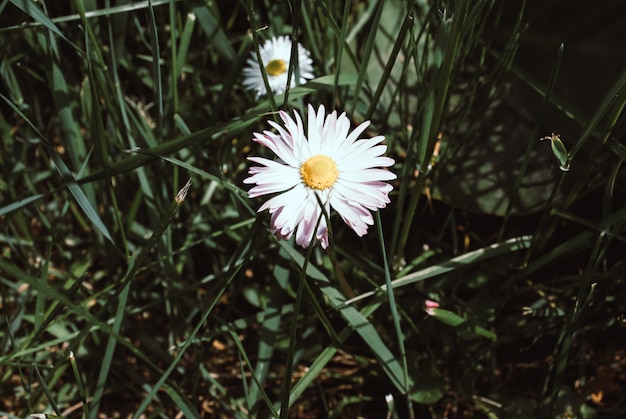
[
  {"x": 275, "y": 54},
  {"x": 341, "y": 169}
]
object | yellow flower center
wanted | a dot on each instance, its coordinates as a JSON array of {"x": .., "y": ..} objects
[
  {"x": 319, "y": 172},
  {"x": 276, "y": 67}
]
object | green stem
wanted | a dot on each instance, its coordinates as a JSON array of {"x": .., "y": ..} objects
[
  {"x": 284, "y": 399},
  {"x": 394, "y": 314},
  {"x": 255, "y": 37}
]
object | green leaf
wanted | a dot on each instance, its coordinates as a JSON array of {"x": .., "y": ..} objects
[{"x": 430, "y": 386}]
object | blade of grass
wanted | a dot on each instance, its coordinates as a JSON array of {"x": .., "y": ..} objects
[
  {"x": 133, "y": 267},
  {"x": 293, "y": 70},
  {"x": 156, "y": 69},
  {"x": 289, "y": 363},
  {"x": 255, "y": 40},
  {"x": 170, "y": 147},
  {"x": 238, "y": 260},
  {"x": 316, "y": 368},
  {"x": 267, "y": 338},
  {"x": 214, "y": 31},
  {"x": 531, "y": 144},
  {"x": 185, "y": 41},
  {"x": 81, "y": 386},
  {"x": 181, "y": 401},
  {"x": 556, "y": 370},
  {"x": 107, "y": 11},
  {"x": 357, "y": 321},
  {"x": 340, "y": 47},
  {"x": 468, "y": 259},
  {"x": 367, "y": 53},
  {"x": 30, "y": 8},
  {"x": 259, "y": 385},
  {"x": 391, "y": 62},
  {"x": 46, "y": 390},
  {"x": 394, "y": 314},
  {"x": 66, "y": 175},
  {"x": 612, "y": 105},
  {"x": 450, "y": 43}
]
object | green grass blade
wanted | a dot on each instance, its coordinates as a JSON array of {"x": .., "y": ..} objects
[
  {"x": 367, "y": 53},
  {"x": 66, "y": 175},
  {"x": 156, "y": 68},
  {"x": 81, "y": 386},
  {"x": 470, "y": 258},
  {"x": 30, "y": 8},
  {"x": 358, "y": 322},
  {"x": 394, "y": 313},
  {"x": 181, "y": 401}
]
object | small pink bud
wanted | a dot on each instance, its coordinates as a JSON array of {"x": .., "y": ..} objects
[{"x": 431, "y": 304}]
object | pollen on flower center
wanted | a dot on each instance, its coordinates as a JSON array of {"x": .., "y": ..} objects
[
  {"x": 276, "y": 67},
  {"x": 319, "y": 172}
]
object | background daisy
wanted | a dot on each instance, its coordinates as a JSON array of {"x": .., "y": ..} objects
[
  {"x": 341, "y": 169},
  {"x": 275, "y": 54}
]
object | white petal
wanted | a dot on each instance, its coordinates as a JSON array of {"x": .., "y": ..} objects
[
  {"x": 367, "y": 175},
  {"x": 370, "y": 195},
  {"x": 315, "y": 128}
]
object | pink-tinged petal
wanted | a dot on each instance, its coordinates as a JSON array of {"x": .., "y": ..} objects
[
  {"x": 267, "y": 189},
  {"x": 306, "y": 233},
  {"x": 301, "y": 145},
  {"x": 357, "y": 217},
  {"x": 272, "y": 178},
  {"x": 283, "y": 149},
  {"x": 431, "y": 304}
]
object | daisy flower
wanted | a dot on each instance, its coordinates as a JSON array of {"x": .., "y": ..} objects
[
  {"x": 330, "y": 162},
  {"x": 275, "y": 54}
]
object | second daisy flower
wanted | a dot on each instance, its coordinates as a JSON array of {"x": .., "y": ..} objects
[{"x": 275, "y": 55}]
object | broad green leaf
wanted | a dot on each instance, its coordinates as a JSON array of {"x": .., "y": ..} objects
[{"x": 430, "y": 385}]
